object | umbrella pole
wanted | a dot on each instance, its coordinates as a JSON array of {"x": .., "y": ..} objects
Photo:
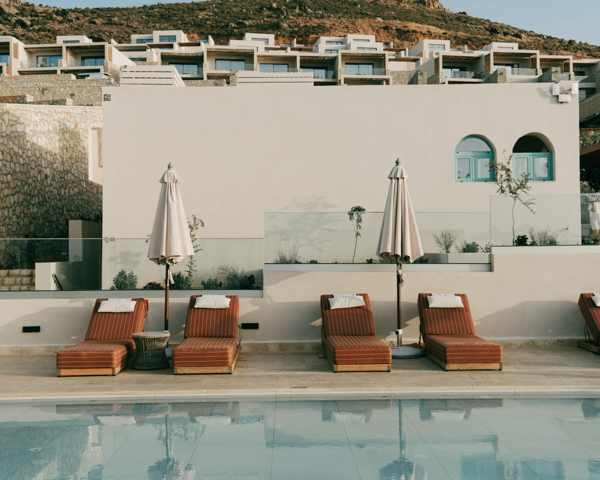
[
  {"x": 400, "y": 351},
  {"x": 167, "y": 300}
]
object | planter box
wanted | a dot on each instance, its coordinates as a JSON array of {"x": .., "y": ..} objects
[{"x": 457, "y": 258}]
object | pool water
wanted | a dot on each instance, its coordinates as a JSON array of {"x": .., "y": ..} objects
[{"x": 382, "y": 439}]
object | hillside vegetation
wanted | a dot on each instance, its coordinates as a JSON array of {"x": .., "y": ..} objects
[{"x": 405, "y": 22}]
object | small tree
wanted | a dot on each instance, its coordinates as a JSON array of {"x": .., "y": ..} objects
[
  {"x": 355, "y": 215},
  {"x": 194, "y": 225},
  {"x": 509, "y": 186}
]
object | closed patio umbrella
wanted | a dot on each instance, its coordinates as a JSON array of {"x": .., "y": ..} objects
[
  {"x": 399, "y": 242},
  {"x": 170, "y": 242}
]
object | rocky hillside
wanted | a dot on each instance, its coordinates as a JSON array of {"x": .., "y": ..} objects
[{"x": 405, "y": 22}]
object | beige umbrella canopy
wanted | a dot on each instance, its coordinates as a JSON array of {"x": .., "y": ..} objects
[
  {"x": 170, "y": 242},
  {"x": 399, "y": 241}
]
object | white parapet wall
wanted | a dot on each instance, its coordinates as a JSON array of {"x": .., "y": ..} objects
[
  {"x": 150, "y": 76},
  {"x": 289, "y": 79},
  {"x": 530, "y": 298}
]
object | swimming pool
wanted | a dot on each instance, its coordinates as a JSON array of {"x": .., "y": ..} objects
[{"x": 350, "y": 439}]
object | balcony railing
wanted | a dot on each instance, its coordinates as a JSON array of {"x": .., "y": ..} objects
[
  {"x": 289, "y": 70},
  {"x": 550, "y": 220},
  {"x": 41, "y": 63},
  {"x": 364, "y": 71},
  {"x": 323, "y": 75},
  {"x": 87, "y": 63},
  {"x": 330, "y": 238},
  {"x": 122, "y": 264},
  {"x": 461, "y": 75},
  {"x": 248, "y": 67}
]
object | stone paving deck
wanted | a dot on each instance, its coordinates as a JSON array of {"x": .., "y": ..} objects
[{"x": 527, "y": 371}]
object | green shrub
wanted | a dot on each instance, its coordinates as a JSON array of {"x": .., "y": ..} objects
[
  {"x": 543, "y": 237},
  {"x": 124, "y": 281},
  {"x": 181, "y": 282},
  {"x": 470, "y": 247},
  {"x": 211, "y": 283},
  {"x": 445, "y": 240},
  {"x": 285, "y": 256},
  {"x": 235, "y": 278}
]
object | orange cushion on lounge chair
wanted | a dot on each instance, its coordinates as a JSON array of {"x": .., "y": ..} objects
[
  {"x": 205, "y": 352},
  {"x": 354, "y": 349},
  {"x": 116, "y": 326},
  {"x": 218, "y": 322},
  {"x": 445, "y": 321},
  {"x": 463, "y": 349},
  {"x": 591, "y": 314},
  {"x": 357, "y": 321},
  {"x": 96, "y": 354}
]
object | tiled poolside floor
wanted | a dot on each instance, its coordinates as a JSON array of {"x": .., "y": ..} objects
[{"x": 526, "y": 371}]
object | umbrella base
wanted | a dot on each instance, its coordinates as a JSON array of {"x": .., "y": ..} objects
[{"x": 407, "y": 352}]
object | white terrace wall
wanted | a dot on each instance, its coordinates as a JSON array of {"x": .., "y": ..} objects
[
  {"x": 243, "y": 152},
  {"x": 44, "y": 169},
  {"x": 530, "y": 298}
]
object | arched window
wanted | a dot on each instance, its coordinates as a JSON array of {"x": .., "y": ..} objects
[
  {"x": 472, "y": 160},
  {"x": 531, "y": 155}
]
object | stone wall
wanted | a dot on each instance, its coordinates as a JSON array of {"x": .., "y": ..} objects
[
  {"x": 17, "y": 280},
  {"x": 497, "y": 76},
  {"x": 401, "y": 78},
  {"x": 588, "y": 136},
  {"x": 436, "y": 79},
  {"x": 45, "y": 88},
  {"x": 44, "y": 169}
]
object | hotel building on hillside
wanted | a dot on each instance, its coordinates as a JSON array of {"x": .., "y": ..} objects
[{"x": 349, "y": 60}]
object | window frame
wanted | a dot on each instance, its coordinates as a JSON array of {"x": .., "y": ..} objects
[
  {"x": 359, "y": 65},
  {"x": 334, "y": 42},
  {"x": 531, "y": 156},
  {"x": 473, "y": 162},
  {"x": 143, "y": 40},
  {"x": 163, "y": 38},
  {"x": 51, "y": 58},
  {"x": 95, "y": 58},
  {"x": 183, "y": 65},
  {"x": 230, "y": 69}
]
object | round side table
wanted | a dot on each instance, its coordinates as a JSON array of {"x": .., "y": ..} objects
[{"x": 150, "y": 350}]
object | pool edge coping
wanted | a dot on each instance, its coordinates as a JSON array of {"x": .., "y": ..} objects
[{"x": 515, "y": 392}]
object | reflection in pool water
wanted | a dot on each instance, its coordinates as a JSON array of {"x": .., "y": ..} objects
[{"x": 382, "y": 439}]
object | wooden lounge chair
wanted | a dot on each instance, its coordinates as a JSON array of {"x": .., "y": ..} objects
[
  {"x": 591, "y": 315},
  {"x": 450, "y": 340},
  {"x": 350, "y": 341},
  {"x": 210, "y": 344},
  {"x": 108, "y": 347}
]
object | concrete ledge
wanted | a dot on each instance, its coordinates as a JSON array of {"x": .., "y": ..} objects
[
  {"x": 549, "y": 250},
  {"x": 376, "y": 267},
  {"x": 84, "y": 294}
]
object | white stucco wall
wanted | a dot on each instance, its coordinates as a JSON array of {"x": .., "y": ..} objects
[
  {"x": 243, "y": 152},
  {"x": 532, "y": 293}
]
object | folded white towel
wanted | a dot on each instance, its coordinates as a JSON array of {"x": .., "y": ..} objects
[
  {"x": 346, "y": 301},
  {"x": 596, "y": 299},
  {"x": 116, "y": 307},
  {"x": 213, "y": 302},
  {"x": 444, "y": 300}
]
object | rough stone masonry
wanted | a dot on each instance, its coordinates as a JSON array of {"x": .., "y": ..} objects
[{"x": 44, "y": 169}]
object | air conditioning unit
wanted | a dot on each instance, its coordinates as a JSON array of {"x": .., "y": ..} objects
[
  {"x": 564, "y": 98},
  {"x": 555, "y": 89}
]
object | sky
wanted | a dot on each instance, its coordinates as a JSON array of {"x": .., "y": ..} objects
[{"x": 575, "y": 19}]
